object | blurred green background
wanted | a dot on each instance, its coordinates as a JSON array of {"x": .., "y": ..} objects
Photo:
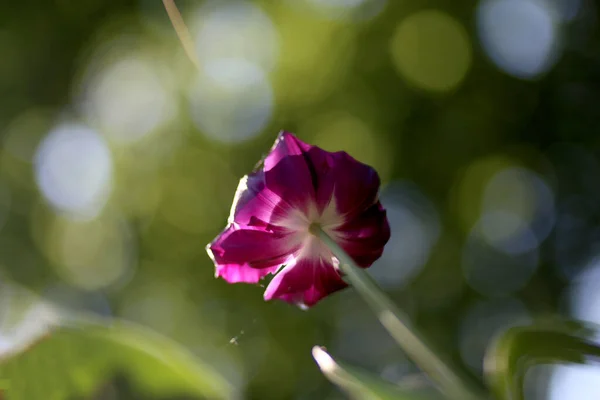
[{"x": 119, "y": 160}]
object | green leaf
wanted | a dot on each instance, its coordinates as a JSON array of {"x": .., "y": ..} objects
[
  {"x": 520, "y": 348},
  {"x": 75, "y": 361},
  {"x": 360, "y": 384}
]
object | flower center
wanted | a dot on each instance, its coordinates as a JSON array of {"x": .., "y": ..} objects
[{"x": 314, "y": 228}]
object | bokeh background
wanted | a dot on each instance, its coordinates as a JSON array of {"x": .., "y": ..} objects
[{"x": 119, "y": 160}]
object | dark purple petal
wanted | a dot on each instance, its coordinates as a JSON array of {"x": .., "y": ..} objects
[
  {"x": 250, "y": 247},
  {"x": 364, "y": 236},
  {"x": 353, "y": 186},
  {"x": 305, "y": 281}
]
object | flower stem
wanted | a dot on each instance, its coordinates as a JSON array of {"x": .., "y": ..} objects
[
  {"x": 396, "y": 324},
  {"x": 182, "y": 31}
]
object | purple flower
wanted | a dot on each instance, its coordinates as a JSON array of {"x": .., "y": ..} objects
[{"x": 298, "y": 185}]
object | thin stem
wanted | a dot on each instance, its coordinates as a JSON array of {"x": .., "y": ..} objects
[
  {"x": 396, "y": 323},
  {"x": 182, "y": 31}
]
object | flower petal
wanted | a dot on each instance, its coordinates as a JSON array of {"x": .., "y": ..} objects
[
  {"x": 287, "y": 172},
  {"x": 243, "y": 273},
  {"x": 286, "y": 144},
  {"x": 353, "y": 186},
  {"x": 365, "y": 236},
  {"x": 339, "y": 176},
  {"x": 256, "y": 205},
  {"x": 304, "y": 282},
  {"x": 238, "y": 249}
]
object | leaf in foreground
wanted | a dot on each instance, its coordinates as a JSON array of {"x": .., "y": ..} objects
[
  {"x": 71, "y": 362},
  {"x": 520, "y": 348},
  {"x": 360, "y": 384}
]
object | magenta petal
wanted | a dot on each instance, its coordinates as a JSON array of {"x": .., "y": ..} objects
[
  {"x": 354, "y": 186},
  {"x": 255, "y": 204},
  {"x": 304, "y": 282},
  {"x": 250, "y": 247},
  {"x": 287, "y": 172},
  {"x": 236, "y": 273},
  {"x": 365, "y": 236},
  {"x": 297, "y": 170},
  {"x": 248, "y": 189},
  {"x": 286, "y": 144}
]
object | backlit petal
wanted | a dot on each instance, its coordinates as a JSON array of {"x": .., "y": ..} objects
[
  {"x": 286, "y": 144},
  {"x": 243, "y": 273},
  {"x": 305, "y": 281},
  {"x": 288, "y": 174},
  {"x": 250, "y": 248},
  {"x": 333, "y": 176},
  {"x": 256, "y": 205}
]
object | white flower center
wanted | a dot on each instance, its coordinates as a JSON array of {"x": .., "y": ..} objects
[{"x": 300, "y": 222}]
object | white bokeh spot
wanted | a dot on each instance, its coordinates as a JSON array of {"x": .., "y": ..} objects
[
  {"x": 520, "y": 36},
  {"x": 127, "y": 100},
  {"x": 232, "y": 101},
  {"x": 73, "y": 169}
]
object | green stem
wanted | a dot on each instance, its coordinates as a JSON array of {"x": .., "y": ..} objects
[
  {"x": 396, "y": 323},
  {"x": 182, "y": 31}
]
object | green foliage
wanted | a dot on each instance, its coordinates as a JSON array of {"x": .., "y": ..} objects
[
  {"x": 361, "y": 385},
  {"x": 76, "y": 361},
  {"x": 523, "y": 347}
]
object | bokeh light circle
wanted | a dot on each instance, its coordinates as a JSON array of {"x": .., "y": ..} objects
[
  {"x": 73, "y": 169},
  {"x": 518, "y": 210},
  {"x": 127, "y": 100},
  {"x": 507, "y": 232},
  {"x": 415, "y": 228},
  {"x": 75, "y": 299},
  {"x": 520, "y": 36},
  {"x": 359, "y": 10},
  {"x": 236, "y": 29},
  {"x": 232, "y": 101},
  {"x": 492, "y": 271},
  {"x": 342, "y": 130},
  {"x": 483, "y": 321},
  {"x": 431, "y": 50},
  {"x": 89, "y": 255}
]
